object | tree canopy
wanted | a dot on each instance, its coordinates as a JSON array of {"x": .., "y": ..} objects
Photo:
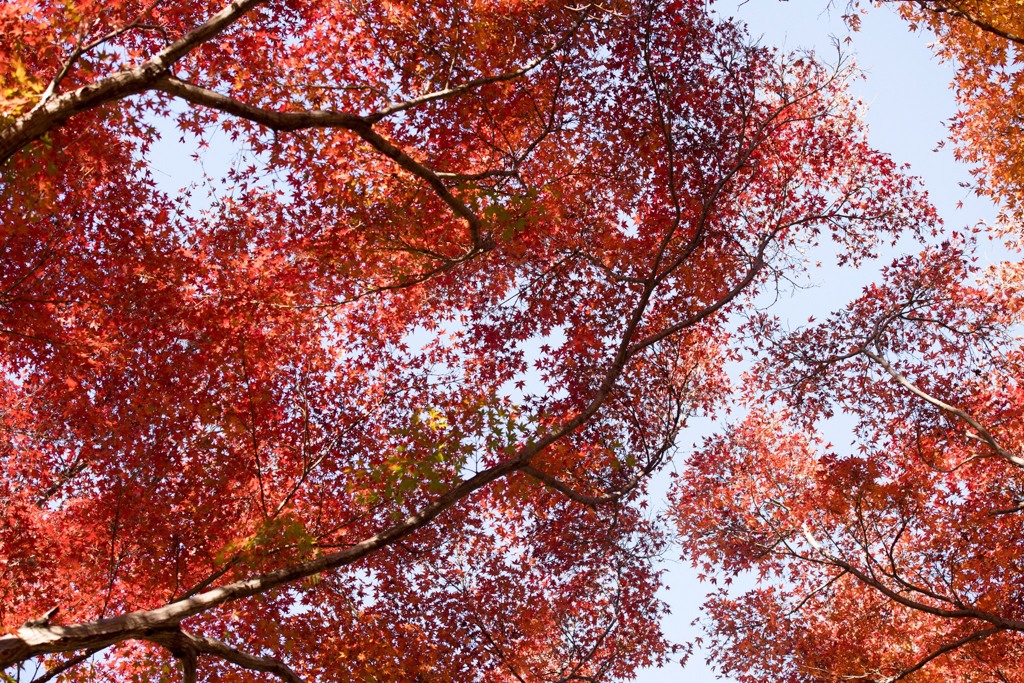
[
  {"x": 889, "y": 560},
  {"x": 383, "y": 401}
]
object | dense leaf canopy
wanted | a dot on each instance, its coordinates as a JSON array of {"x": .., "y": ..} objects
[{"x": 381, "y": 403}]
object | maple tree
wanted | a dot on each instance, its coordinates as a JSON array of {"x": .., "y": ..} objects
[
  {"x": 891, "y": 560},
  {"x": 890, "y": 556},
  {"x": 384, "y": 407}
]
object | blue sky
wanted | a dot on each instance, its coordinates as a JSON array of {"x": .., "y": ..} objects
[{"x": 908, "y": 98}]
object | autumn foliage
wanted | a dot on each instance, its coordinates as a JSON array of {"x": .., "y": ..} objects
[
  {"x": 887, "y": 555},
  {"x": 888, "y": 559},
  {"x": 382, "y": 402},
  {"x": 984, "y": 39}
]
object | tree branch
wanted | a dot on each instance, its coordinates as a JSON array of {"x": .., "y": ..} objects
[
  {"x": 80, "y": 50},
  {"x": 869, "y": 579},
  {"x": 34, "y": 640},
  {"x": 396, "y": 107},
  {"x": 941, "y": 7},
  {"x": 189, "y": 665},
  {"x": 289, "y": 121},
  {"x": 57, "y": 110},
  {"x": 50, "y": 674},
  {"x": 970, "y": 638},
  {"x": 210, "y": 646},
  {"x": 568, "y": 491},
  {"x": 983, "y": 434}
]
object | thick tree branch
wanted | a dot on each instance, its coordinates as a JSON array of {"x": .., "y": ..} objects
[
  {"x": 34, "y": 640},
  {"x": 210, "y": 646},
  {"x": 81, "y": 49},
  {"x": 951, "y": 9},
  {"x": 41, "y": 120},
  {"x": 189, "y": 666},
  {"x": 289, "y": 121}
]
